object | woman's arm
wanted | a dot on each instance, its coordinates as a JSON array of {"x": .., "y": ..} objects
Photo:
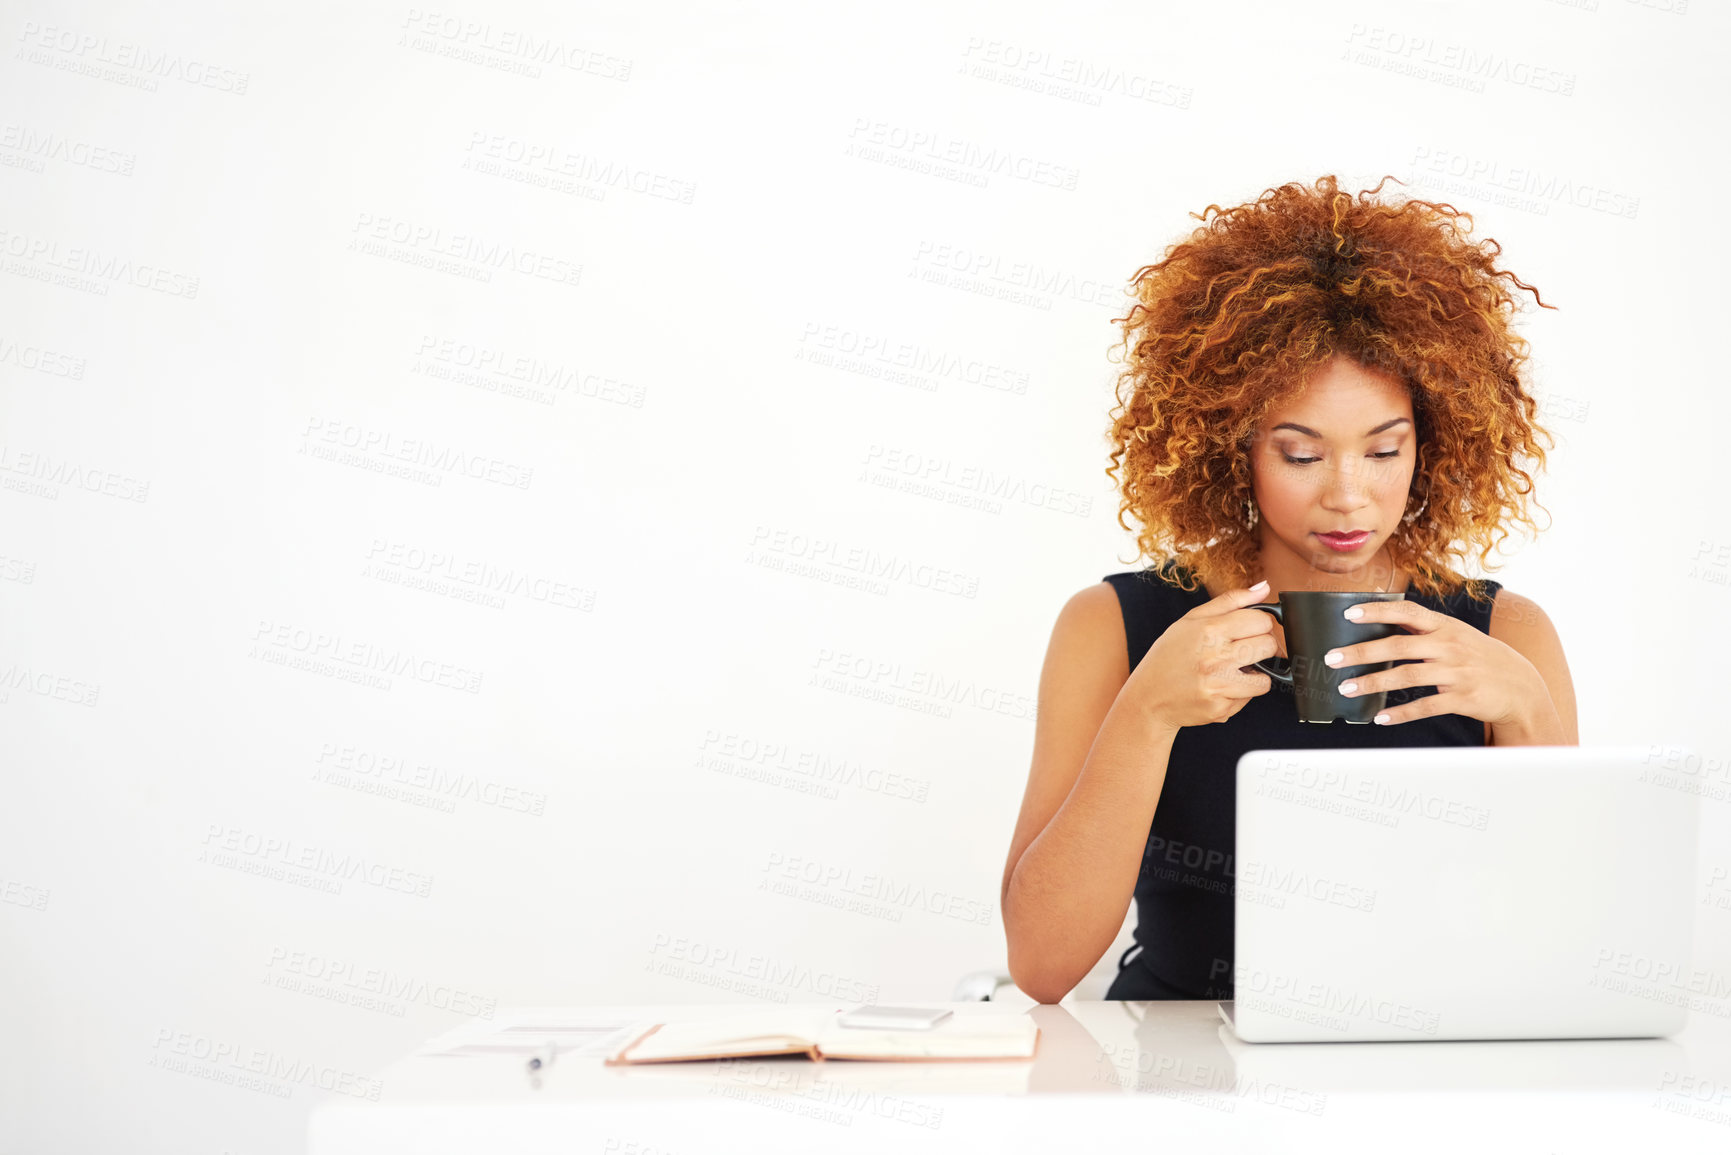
[
  {"x": 1519, "y": 623},
  {"x": 1098, "y": 767}
]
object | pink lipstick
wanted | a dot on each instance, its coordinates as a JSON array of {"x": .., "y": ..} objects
[{"x": 1344, "y": 542}]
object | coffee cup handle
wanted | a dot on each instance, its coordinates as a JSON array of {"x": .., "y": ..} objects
[{"x": 1284, "y": 677}]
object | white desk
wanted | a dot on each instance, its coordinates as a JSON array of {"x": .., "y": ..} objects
[{"x": 1107, "y": 1073}]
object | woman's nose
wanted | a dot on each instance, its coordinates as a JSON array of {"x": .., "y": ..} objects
[{"x": 1346, "y": 487}]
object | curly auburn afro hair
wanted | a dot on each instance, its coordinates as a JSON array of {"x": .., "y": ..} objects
[{"x": 1237, "y": 316}]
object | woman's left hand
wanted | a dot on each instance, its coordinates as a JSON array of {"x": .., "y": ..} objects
[{"x": 1474, "y": 674}]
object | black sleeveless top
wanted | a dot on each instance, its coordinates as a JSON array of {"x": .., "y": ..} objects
[{"x": 1184, "y": 892}]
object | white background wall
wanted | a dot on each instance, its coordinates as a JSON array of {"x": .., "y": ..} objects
[{"x": 259, "y": 264}]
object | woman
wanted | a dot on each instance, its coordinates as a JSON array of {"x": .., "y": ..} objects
[{"x": 1320, "y": 392}]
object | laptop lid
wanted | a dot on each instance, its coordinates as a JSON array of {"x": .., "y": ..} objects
[{"x": 1473, "y": 892}]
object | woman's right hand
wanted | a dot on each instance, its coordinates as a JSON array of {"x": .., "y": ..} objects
[{"x": 1194, "y": 673}]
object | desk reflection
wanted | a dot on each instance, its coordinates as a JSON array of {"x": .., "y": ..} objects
[
  {"x": 1182, "y": 1047},
  {"x": 1503, "y": 1064}
]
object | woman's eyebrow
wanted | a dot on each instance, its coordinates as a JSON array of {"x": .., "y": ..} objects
[{"x": 1390, "y": 424}]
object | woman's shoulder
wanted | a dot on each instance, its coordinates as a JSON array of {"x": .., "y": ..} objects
[
  {"x": 1516, "y": 615},
  {"x": 1149, "y": 600},
  {"x": 1476, "y": 600}
]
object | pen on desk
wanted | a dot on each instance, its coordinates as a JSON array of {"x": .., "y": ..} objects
[{"x": 543, "y": 1057}]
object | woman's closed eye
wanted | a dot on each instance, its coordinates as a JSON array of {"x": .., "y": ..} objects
[{"x": 1290, "y": 460}]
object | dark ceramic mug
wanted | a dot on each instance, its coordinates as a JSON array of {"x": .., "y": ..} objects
[{"x": 1314, "y": 626}]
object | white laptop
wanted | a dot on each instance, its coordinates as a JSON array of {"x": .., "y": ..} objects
[{"x": 1467, "y": 892}]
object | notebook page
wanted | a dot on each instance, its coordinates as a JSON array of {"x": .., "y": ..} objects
[
  {"x": 743, "y": 1034},
  {"x": 958, "y": 1037}
]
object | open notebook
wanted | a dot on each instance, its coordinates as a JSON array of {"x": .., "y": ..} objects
[{"x": 816, "y": 1035}]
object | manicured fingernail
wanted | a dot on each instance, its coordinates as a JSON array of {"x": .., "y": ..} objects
[
  {"x": 1354, "y": 613},
  {"x": 1332, "y": 658},
  {"x": 1382, "y": 719},
  {"x": 1349, "y": 687}
]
